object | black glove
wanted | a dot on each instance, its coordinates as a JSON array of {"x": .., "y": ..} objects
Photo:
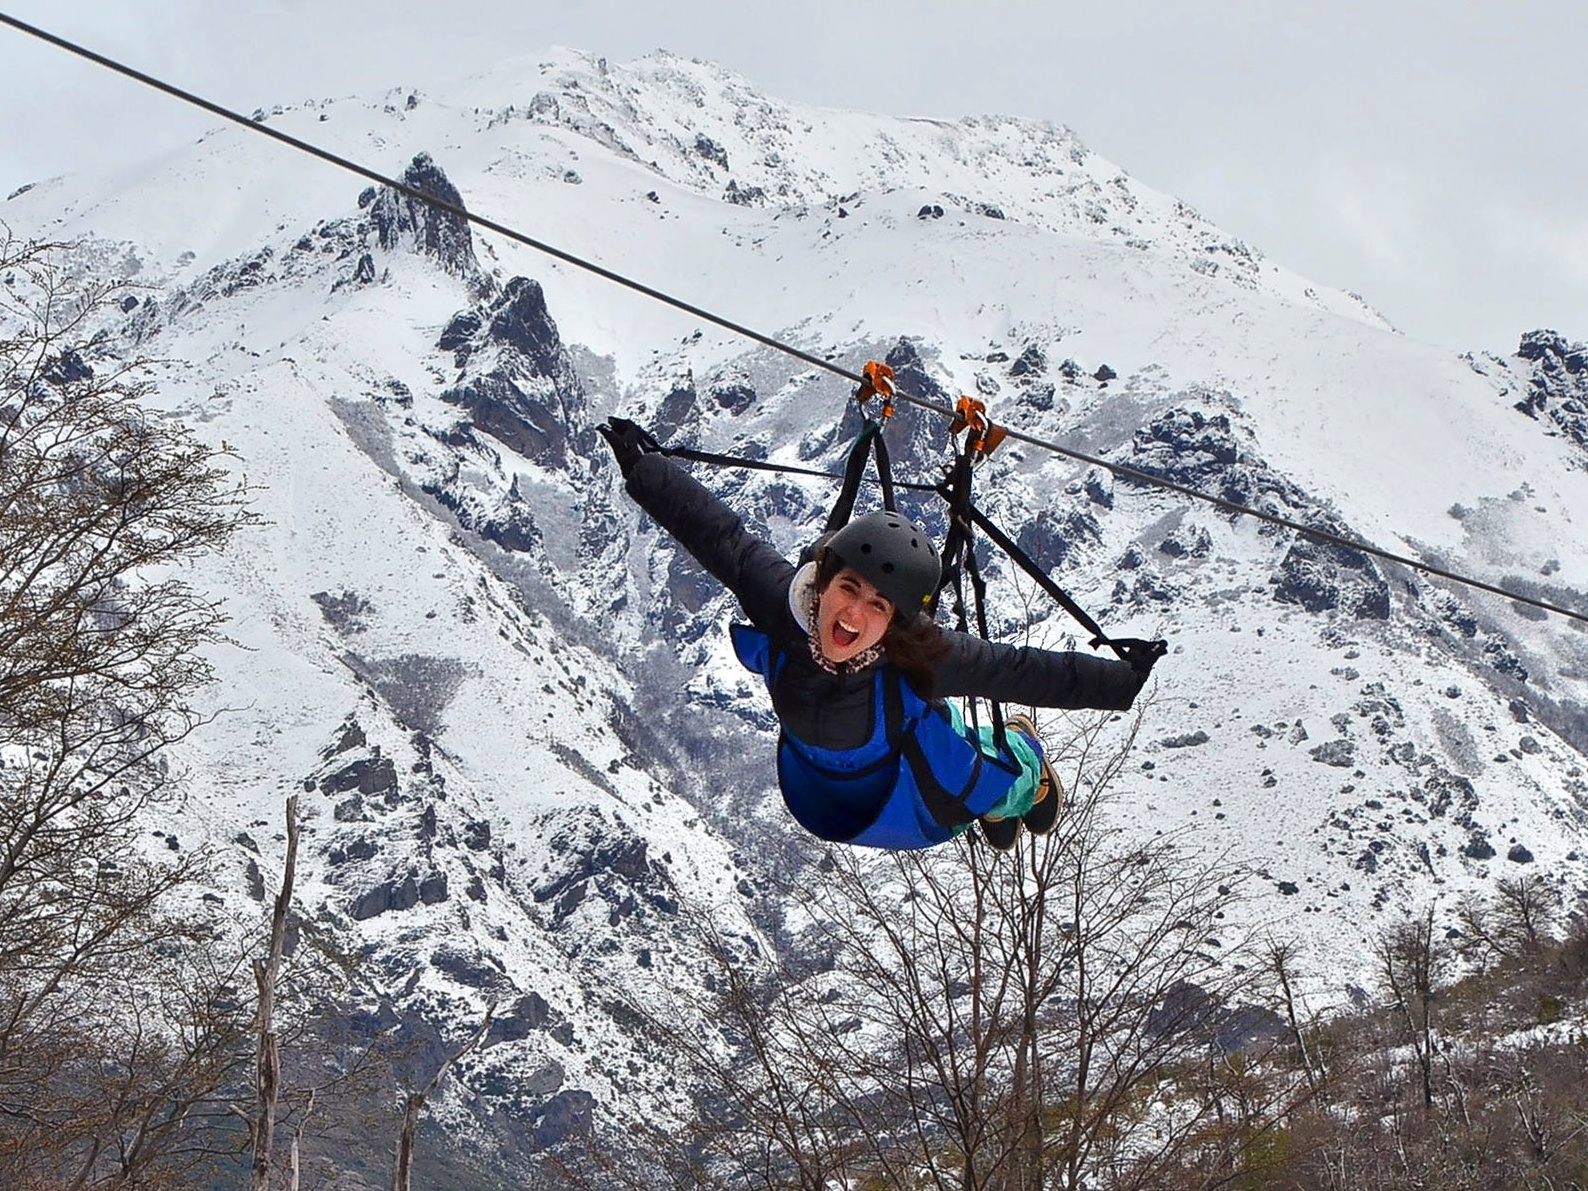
[
  {"x": 628, "y": 441},
  {"x": 1140, "y": 655}
]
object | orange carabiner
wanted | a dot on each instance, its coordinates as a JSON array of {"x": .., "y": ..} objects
[
  {"x": 876, "y": 381},
  {"x": 971, "y": 414}
]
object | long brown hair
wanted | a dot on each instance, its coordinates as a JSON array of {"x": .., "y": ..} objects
[{"x": 915, "y": 643}]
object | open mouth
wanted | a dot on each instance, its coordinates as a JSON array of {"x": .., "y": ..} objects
[{"x": 843, "y": 635}]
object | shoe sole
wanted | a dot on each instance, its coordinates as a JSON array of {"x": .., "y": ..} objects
[
  {"x": 1000, "y": 833},
  {"x": 1039, "y": 820}
]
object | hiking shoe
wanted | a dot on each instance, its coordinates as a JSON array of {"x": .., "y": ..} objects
[
  {"x": 1000, "y": 833},
  {"x": 1044, "y": 810}
]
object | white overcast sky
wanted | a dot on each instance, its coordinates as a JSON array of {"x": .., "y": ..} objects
[{"x": 1431, "y": 155}]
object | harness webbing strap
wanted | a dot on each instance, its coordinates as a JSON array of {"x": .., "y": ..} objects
[
  {"x": 869, "y": 442},
  {"x": 947, "y": 810},
  {"x": 1005, "y": 543},
  {"x": 717, "y": 460},
  {"x": 959, "y": 556}
]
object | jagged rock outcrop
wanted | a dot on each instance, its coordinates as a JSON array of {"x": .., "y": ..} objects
[
  {"x": 1203, "y": 451},
  {"x": 1558, "y": 387},
  {"x": 404, "y": 222},
  {"x": 522, "y": 389}
]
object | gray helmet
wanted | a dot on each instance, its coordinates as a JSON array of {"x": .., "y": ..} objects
[{"x": 893, "y": 555}]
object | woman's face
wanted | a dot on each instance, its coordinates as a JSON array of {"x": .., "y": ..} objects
[{"x": 851, "y": 616}]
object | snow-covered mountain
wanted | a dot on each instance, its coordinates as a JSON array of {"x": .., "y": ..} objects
[{"x": 532, "y": 768}]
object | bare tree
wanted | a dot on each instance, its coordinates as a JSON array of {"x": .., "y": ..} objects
[
  {"x": 101, "y": 504},
  {"x": 267, "y": 971},
  {"x": 414, "y": 1103},
  {"x": 1527, "y": 909},
  {"x": 1411, "y": 962}
]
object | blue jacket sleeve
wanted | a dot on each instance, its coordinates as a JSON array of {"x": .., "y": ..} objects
[
  {"x": 715, "y": 536},
  {"x": 1040, "y": 677}
]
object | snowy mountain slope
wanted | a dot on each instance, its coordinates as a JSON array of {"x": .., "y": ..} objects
[{"x": 511, "y": 708}]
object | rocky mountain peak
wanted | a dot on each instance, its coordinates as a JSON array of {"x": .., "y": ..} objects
[{"x": 404, "y": 222}]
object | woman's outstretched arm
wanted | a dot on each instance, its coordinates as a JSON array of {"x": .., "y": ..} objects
[{"x": 1040, "y": 677}]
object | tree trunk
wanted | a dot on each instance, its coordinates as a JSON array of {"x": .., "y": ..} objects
[
  {"x": 267, "y": 1080},
  {"x": 416, "y": 1102}
]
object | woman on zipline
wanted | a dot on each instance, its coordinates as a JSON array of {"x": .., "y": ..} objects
[{"x": 869, "y": 753}]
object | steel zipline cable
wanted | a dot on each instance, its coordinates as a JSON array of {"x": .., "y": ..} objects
[{"x": 1118, "y": 469}]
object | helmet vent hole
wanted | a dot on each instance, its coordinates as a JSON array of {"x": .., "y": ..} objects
[
  {"x": 865, "y": 548},
  {"x": 887, "y": 568}
]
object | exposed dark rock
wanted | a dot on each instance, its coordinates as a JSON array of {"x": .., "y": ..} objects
[
  {"x": 387, "y": 896},
  {"x": 256, "y": 880},
  {"x": 1104, "y": 374},
  {"x": 744, "y": 196},
  {"x": 520, "y": 420},
  {"x": 1187, "y": 1008},
  {"x": 1052, "y": 536},
  {"x": 1030, "y": 362},
  {"x": 1142, "y": 588},
  {"x": 619, "y": 861},
  {"x": 1519, "y": 854},
  {"x": 1502, "y": 659},
  {"x": 1321, "y": 577},
  {"x": 1189, "y": 740},
  {"x": 351, "y": 737},
  {"x": 1557, "y": 392},
  {"x": 526, "y": 1015},
  {"x": 710, "y": 150},
  {"x": 689, "y": 589},
  {"x": 404, "y": 220},
  {"x": 367, "y": 775},
  {"x": 679, "y": 413},
  {"x": 509, "y": 523},
  {"x": 457, "y": 336},
  {"x": 1339, "y": 753},
  {"x": 733, "y": 396},
  {"x": 359, "y": 848},
  {"x": 1099, "y": 487},
  {"x": 565, "y": 1116},
  {"x": 69, "y": 368},
  {"x": 1187, "y": 447},
  {"x": 1194, "y": 542},
  {"x": 1551, "y": 348},
  {"x": 1038, "y": 394},
  {"x": 930, "y": 211},
  {"x": 470, "y": 968},
  {"x": 1478, "y": 847},
  {"x": 477, "y": 835},
  {"x": 519, "y": 319},
  {"x": 433, "y": 889},
  {"x": 1446, "y": 792},
  {"x": 781, "y": 499}
]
